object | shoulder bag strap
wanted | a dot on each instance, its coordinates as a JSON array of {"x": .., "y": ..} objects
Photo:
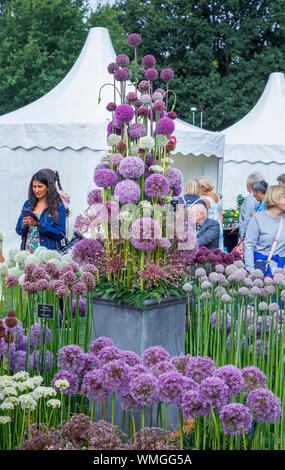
[{"x": 274, "y": 243}]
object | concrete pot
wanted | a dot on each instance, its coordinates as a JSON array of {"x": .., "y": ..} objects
[{"x": 136, "y": 330}]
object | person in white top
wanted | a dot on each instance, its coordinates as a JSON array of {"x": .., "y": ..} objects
[{"x": 214, "y": 205}]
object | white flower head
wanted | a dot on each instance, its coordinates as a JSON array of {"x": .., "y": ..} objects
[
  {"x": 145, "y": 98},
  {"x": 161, "y": 140},
  {"x": 13, "y": 400},
  {"x": 10, "y": 263},
  {"x": 54, "y": 403},
  {"x": 50, "y": 255},
  {"x": 7, "y": 405},
  {"x": 3, "y": 269},
  {"x": 43, "y": 392},
  {"x": 113, "y": 140},
  {"x": 145, "y": 205},
  {"x": 22, "y": 279},
  {"x": 5, "y": 419},
  {"x": 169, "y": 160},
  {"x": 67, "y": 257},
  {"x": 37, "y": 380},
  {"x": 146, "y": 143},
  {"x": 6, "y": 381},
  {"x": 156, "y": 169},
  {"x": 21, "y": 376},
  {"x": 15, "y": 271},
  {"x": 10, "y": 391},
  {"x": 61, "y": 383},
  {"x": 12, "y": 254},
  {"x": 32, "y": 259},
  {"x": 125, "y": 216},
  {"x": 21, "y": 256},
  {"x": 27, "y": 402}
]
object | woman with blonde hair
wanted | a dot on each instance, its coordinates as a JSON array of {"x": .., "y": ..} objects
[
  {"x": 193, "y": 194},
  {"x": 213, "y": 203},
  {"x": 265, "y": 236}
]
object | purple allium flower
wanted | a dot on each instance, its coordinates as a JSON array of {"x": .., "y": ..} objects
[
  {"x": 72, "y": 358},
  {"x": 88, "y": 280},
  {"x": 143, "y": 112},
  {"x": 148, "y": 61},
  {"x": 144, "y": 390},
  {"x": 127, "y": 192},
  {"x": 39, "y": 272},
  {"x": 161, "y": 368},
  {"x": 112, "y": 67},
  {"x": 94, "y": 385},
  {"x": 103, "y": 166},
  {"x": 180, "y": 363},
  {"x": 131, "y": 358},
  {"x": 166, "y": 75},
  {"x": 95, "y": 197},
  {"x": 105, "y": 436},
  {"x": 131, "y": 97},
  {"x": 137, "y": 103},
  {"x": 153, "y": 355},
  {"x": 143, "y": 86},
  {"x": 236, "y": 419},
  {"x": 165, "y": 126},
  {"x": 52, "y": 270},
  {"x": 117, "y": 374},
  {"x": 99, "y": 344},
  {"x": 264, "y": 405},
  {"x": 41, "y": 360},
  {"x": 174, "y": 177},
  {"x": 172, "y": 115},
  {"x": 170, "y": 387},
  {"x": 200, "y": 367},
  {"x": 224, "y": 316},
  {"x": 86, "y": 251},
  {"x": 11, "y": 281},
  {"x": 270, "y": 289},
  {"x": 134, "y": 40},
  {"x": 17, "y": 359},
  {"x": 151, "y": 74},
  {"x": 40, "y": 334},
  {"x": 193, "y": 405},
  {"x": 107, "y": 354},
  {"x": 62, "y": 291},
  {"x": 68, "y": 278},
  {"x": 232, "y": 341},
  {"x": 215, "y": 391},
  {"x": 261, "y": 348},
  {"x": 72, "y": 379},
  {"x": 124, "y": 113},
  {"x": 129, "y": 73},
  {"x": 189, "y": 384},
  {"x": 131, "y": 167},
  {"x": 253, "y": 378},
  {"x": 30, "y": 288},
  {"x": 144, "y": 232},
  {"x": 156, "y": 185},
  {"x": 79, "y": 288},
  {"x": 127, "y": 400},
  {"x": 116, "y": 158},
  {"x": 91, "y": 362},
  {"x": 176, "y": 191},
  {"x": 111, "y": 106},
  {"x": 122, "y": 60},
  {"x": 104, "y": 178},
  {"x": 90, "y": 268},
  {"x": 137, "y": 130},
  {"x": 113, "y": 128},
  {"x": 232, "y": 376}
]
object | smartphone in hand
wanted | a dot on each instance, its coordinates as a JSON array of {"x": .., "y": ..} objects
[{"x": 28, "y": 213}]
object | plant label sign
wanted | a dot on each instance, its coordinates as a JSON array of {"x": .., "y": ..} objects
[{"x": 46, "y": 311}]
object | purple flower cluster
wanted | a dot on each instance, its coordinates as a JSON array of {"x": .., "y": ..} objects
[
  {"x": 131, "y": 167},
  {"x": 86, "y": 251}
]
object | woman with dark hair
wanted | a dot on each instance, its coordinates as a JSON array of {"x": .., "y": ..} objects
[
  {"x": 47, "y": 228},
  {"x": 65, "y": 198},
  {"x": 259, "y": 189}
]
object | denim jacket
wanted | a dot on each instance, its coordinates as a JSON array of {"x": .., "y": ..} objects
[{"x": 50, "y": 232}]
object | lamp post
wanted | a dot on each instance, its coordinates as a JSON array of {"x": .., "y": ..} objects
[
  {"x": 193, "y": 109},
  {"x": 201, "y": 115}
]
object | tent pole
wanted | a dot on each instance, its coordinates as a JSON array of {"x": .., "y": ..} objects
[{"x": 220, "y": 174}]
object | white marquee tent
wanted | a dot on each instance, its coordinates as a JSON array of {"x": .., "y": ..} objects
[
  {"x": 257, "y": 141},
  {"x": 66, "y": 130}
]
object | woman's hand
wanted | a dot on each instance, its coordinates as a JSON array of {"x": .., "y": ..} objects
[
  {"x": 26, "y": 221},
  {"x": 32, "y": 222}
]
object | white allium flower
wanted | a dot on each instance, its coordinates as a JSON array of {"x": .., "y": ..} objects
[
  {"x": 146, "y": 143},
  {"x": 125, "y": 216},
  {"x": 13, "y": 400},
  {"x": 134, "y": 149},
  {"x": 32, "y": 259},
  {"x": 20, "y": 257},
  {"x": 27, "y": 402},
  {"x": 6, "y": 381},
  {"x": 15, "y": 271},
  {"x": 54, "y": 403},
  {"x": 157, "y": 96},
  {"x": 1, "y": 396},
  {"x": 145, "y": 205},
  {"x": 3, "y": 269},
  {"x": 66, "y": 257},
  {"x": 5, "y": 419},
  {"x": 7, "y": 405},
  {"x": 10, "y": 263},
  {"x": 61, "y": 383},
  {"x": 51, "y": 255},
  {"x": 39, "y": 249},
  {"x": 156, "y": 169},
  {"x": 187, "y": 287},
  {"x": 21, "y": 375},
  {"x": 22, "y": 279},
  {"x": 12, "y": 253},
  {"x": 28, "y": 384},
  {"x": 10, "y": 391},
  {"x": 113, "y": 140},
  {"x": 145, "y": 98},
  {"x": 37, "y": 380},
  {"x": 161, "y": 140},
  {"x": 43, "y": 392},
  {"x": 169, "y": 160},
  {"x": 56, "y": 262}
]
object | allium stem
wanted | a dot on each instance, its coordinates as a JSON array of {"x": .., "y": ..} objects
[
  {"x": 244, "y": 442},
  {"x": 108, "y": 84},
  {"x": 113, "y": 407},
  {"x": 216, "y": 427},
  {"x": 181, "y": 428}
]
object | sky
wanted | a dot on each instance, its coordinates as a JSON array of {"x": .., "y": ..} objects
[{"x": 94, "y": 3}]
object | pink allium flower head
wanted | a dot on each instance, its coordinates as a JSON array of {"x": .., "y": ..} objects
[
  {"x": 116, "y": 158},
  {"x": 151, "y": 74},
  {"x": 131, "y": 167},
  {"x": 112, "y": 67},
  {"x": 142, "y": 111},
  {"x": 52, "y": 270},
  {"x": 95, "y": 197},
  {"x": 253, "y": 378},
  {"x": 42, "y": 284},
  {"x": 79, "y": 288},
  {"x": 89, "y": 280},
  {"x": 68, "y": 278},
  {"x": 121, "y": 75},
  {"x": 157, "y": 96},
  {"x": 62, "y": 291},
  {"x": 165, "y": 126},
  {"x": 134, "y": 40},
  {"x": 129, "y": 73},
  {"x": 215, "y": 391},
  {"x": 156, "y": 185},
  {"x": 11, "y": 281},
  {"x": 127, "y": 192},
  {"x": 159, "y": 105},
  {"x": 144, "y": 233},
  {"x": 160, "y": 90},
  {"x": 131, "y": 97},
  {"x": 236, "y": 419},
  {"x": 124, "y": 113},
  {"x": 111, "y": 106},
  {"x": 172, "y": 115},
  {"x": 122, "y": 60},
  {"x": 105, "y": 177},
  {"x": 137, "y": 103},
  {"x": 166, "y": 75},
  {"x": 137, "y": 130},
  {"x": 143, "y": 86},
  {"x": 86, "y": 251},
  {"x": 148, "y": 61},
  {"x": 176, "y": 191}
]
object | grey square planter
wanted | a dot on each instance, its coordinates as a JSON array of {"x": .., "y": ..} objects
[{"x": 136, "y": 330}]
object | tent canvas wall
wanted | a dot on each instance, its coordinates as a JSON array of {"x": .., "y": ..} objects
[
  {"x": 66, "y": 130},
  {"x": 256, "y": 142}
]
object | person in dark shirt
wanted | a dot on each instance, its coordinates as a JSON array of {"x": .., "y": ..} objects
[{"x": 207, "y": 230}]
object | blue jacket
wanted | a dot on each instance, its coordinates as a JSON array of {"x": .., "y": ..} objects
[{"x": 50, "y": 232}]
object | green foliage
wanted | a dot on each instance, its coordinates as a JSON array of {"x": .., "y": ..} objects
[
  {"x": 40, "y": 41},
  {"x": 231, "y": 216},
  {"x": 118, "y": 292}
]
